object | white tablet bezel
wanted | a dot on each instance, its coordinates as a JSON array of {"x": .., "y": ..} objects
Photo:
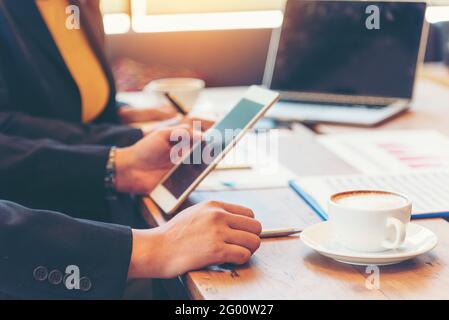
[{"x": 166, "y": 200}]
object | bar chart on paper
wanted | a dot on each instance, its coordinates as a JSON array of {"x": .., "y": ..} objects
[{"x": 391, "y": 151}]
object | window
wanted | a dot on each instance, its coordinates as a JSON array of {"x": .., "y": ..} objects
[
  {"x": 438, "y": 11},
  {"x": 192, "y": 15},
  {"x": 207, "y": 6},
  {"x": 117, "y": 15}
]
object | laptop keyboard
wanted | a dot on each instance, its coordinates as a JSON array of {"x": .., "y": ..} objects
[{"x": 360, "y": 114}]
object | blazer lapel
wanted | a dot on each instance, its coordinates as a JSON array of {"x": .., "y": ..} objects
[{"x": 30, "y": 21}]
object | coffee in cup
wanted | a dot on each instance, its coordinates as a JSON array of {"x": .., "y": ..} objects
[{"x": 369, "y": 221}]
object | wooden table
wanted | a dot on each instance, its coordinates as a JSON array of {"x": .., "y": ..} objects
[{"x": 286, "y": 268}]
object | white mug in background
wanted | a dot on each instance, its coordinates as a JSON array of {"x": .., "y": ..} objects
[
  {"x": 184, "y": 90},
  {"x": 369, "y": 221}
]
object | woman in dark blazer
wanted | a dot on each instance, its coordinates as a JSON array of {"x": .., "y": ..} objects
[
  {"x": 59, "y": 118},
  {"x": 53, "y": 154},
  {"x": 39, "y": 73}
]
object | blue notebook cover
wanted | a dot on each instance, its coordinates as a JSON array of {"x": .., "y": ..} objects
[{"x": 323, "y": 215}]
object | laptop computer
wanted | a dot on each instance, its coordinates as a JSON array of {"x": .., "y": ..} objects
[{"x": 349, "y": 62}]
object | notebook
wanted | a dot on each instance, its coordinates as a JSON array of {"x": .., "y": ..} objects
[{"x": 428, "y": 190}]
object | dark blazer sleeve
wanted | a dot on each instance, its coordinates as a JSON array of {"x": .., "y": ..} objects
[
  {"x": 19, "y": 124},
  {"x": 47, "y": 174},
  {"x": 36, "y": 247}
]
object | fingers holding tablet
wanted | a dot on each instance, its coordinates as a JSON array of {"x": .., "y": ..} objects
[{"x": 177, "y": 185}]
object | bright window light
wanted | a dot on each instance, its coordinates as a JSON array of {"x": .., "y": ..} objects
[
  {"x": 208, "y": 21},
  {"x": 116, "y": 23},
  {"x": 437, "y": 14},
  {"x": 207, "y": 6}
]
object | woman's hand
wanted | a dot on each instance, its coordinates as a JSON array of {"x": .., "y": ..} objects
[{"x": 141, "y": 167}]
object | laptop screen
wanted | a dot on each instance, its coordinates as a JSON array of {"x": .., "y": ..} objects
[{"x": 349, "y": 48}]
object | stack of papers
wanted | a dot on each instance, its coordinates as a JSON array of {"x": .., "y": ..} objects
[
  {"x": 414, "y": 163},
  {"x": 428, "y": 191}
]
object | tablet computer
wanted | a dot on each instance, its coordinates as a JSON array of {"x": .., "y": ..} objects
[{"x": 216, "y": 143}]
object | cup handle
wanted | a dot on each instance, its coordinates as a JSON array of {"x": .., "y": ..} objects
[{"x": 400, "y": 232}]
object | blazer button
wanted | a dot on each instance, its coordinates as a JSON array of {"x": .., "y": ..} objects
[
  {"x": 85, "y": 284},
  {"x": 55, "y": 277},
  {"x": 40, "y": 273}
]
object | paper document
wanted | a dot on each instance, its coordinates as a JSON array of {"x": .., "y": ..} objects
[
  {"x": 391, "y": 151},
  {"x": 252, "y": 164},
  {"x": 428, "y": 190},
  {"x": 222, "y": 180}
]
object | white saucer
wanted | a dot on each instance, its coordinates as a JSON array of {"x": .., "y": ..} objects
[{"x": 419, "y": 240}]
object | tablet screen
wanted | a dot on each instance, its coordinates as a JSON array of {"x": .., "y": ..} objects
[{"x": 214, "y": 143}]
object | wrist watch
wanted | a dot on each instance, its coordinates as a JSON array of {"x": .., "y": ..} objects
[{"x": 110, "y": 176}]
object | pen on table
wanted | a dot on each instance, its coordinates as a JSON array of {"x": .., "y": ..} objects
[
  {"x": 277, "y": 233},
  {"x": 175, "y": 104}
]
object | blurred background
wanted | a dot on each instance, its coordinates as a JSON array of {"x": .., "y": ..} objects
[{"x": 223, "y": 42}]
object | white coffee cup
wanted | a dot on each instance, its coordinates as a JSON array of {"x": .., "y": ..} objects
[
  {"x": 184, "y": 90},
  {"x": 369, "y": 221}
]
